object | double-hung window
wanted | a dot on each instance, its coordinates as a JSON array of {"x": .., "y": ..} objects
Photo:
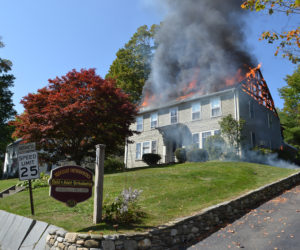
[
  {"x": 145, "y": 148},
  {"x": 215, "y": 104},
  {"x": 154, "y": 120},
  {"x": 139, "y": 123},
  {"x": 153, "y": 147},
  {"x": 174, "y": 115},
  {"x": 196, "y": 140},
  {"x": 196, "y": 111},
  {"x": 138, "y": 151},
  {"x": 205, "y": 135}
]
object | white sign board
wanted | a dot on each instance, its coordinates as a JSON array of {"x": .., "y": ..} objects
[
  {"x": 28, "y": 166},
  {"x": 27, "y": 147}
]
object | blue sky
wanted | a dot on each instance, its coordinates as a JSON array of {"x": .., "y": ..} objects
[{"x": 48, "y": 38}]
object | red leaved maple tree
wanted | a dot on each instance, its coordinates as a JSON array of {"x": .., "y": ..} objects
[{"x": 74, "y": 113}]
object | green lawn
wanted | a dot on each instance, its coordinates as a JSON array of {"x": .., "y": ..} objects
[
  {"x": 168, "y": 193},
  {"x": 4, "y": 184}
]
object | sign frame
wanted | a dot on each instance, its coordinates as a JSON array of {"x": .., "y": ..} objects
[
  {"x": 28, "y": 166},
  {"x": 71, "y": 184}
]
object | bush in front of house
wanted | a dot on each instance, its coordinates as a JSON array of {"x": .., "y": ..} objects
[
  {"x": 113, "y": 165},
  {"x": 180, "y": 154},
  {"x": 151, "y": 159},
  {"x": 197, "y": 155},
  {"x": 124, "y": 209},
  {"x": 215, "y": 146}
]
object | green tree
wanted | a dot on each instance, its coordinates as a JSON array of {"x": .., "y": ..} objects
[
  {"x": 288, "y": 40},
  {"x": 231, "y": 129},
  {"x": 290, "y": 114},
  {"x": 6, "y": 105},
  {"x": 131, "y": 68}
]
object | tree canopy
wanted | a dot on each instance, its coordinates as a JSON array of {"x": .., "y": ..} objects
[
  {"x": 231, "y": 129},
  {"x": 290, "y": 115},
  {"x": 131, "y": 68},
  {"x": 73, "y": 113},
  {"x": 289, "y": 40},
  {"x": 7, "y": 111}
]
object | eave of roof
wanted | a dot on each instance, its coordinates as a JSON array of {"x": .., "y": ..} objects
[{"x": 175, "y": 102}]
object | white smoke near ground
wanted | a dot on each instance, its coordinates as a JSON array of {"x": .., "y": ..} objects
[
  {"x": 201, "y": 41},
  {"x": 268, "y": 159}
]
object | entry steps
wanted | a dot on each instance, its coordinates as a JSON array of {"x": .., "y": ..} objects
[{"x": 10, "y": 191}]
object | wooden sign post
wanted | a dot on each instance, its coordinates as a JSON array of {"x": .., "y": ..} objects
[{"x": 98, "y": 191}]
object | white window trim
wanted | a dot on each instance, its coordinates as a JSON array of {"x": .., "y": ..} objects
[
  {"x": 155, "y": 113},
  {"x": 174, "y": 108},
  {"x": 211, "y": 99},
  {"x": 142, "y": 129},
  {"x": 142, "y": 148},
  {"x": 201, "y": 133},
  {"x": 200, "y": 111}
]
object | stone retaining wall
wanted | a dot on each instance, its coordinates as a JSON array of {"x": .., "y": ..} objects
[{"x": 179, "y": 232}]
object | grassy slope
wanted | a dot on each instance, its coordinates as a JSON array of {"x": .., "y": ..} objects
[
  {"x": 168, "y": 193},
  {"x": 4, "y": 184}
]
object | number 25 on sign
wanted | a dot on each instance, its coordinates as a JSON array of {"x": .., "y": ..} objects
[{"x": 28, "y": 166}]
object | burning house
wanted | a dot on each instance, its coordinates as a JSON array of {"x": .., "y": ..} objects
[
  {"x": 201, "y": 71},
  {"x": 193, "y": 117}
]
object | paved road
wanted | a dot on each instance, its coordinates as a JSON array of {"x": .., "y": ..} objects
[{"x": 274, "y": 225}]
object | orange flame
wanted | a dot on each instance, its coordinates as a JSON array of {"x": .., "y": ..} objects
[
  {"x": 192, "y": 88},
  {"x": 252, "y": 71}
]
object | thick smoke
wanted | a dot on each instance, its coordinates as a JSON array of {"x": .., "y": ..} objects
[{"x": 200, "y": 41}]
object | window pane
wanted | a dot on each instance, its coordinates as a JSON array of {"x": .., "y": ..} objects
[
  {"x": 146, "y": 148},
  {"x": 204, "y": 136},
  {"x": 153, "y": 147},
  {"x": 196, "y": 139},
  {"x": 215, "y": 106},
  {"x": 196, "y": 111},
  {"x": 215, "y": 112},
  {"x": 215, "y": 102},
  {"x": 139, "y": 123},
  {"x": 217, "y": 132},
  {"x": 153, "y": 119},
  {"x": 138, "y": 151},
  {"x": 173, "y": 113}
]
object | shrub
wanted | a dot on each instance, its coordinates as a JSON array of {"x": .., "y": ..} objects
[
  {"x": 215, "y": 146},
  {"x": 151, "y": 159},
  {"x": 197, "y": 155},
  {"x": 180, "y": 154},
  {"x": 112, "y": 165},
  {"x": 124, "y": 209}
]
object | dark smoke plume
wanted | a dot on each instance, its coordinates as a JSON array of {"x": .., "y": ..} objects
[{"x": 200, "y": 41}]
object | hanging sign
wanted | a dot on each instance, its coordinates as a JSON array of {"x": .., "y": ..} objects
[{"x": 71, "y": 184}]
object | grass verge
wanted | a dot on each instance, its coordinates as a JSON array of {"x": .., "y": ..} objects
[
  {"x": 168, "y": 193},
  {"x": 4, "y": 184}
]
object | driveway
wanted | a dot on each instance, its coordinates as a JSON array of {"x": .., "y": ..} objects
[{"x": 274, "y": 225}]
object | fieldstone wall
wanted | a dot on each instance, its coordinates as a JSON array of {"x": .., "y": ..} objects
[{"x": 180, "y": 232}]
